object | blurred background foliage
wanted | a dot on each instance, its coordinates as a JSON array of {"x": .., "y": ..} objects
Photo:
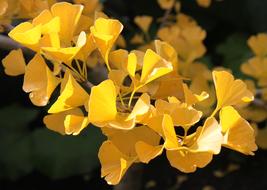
[{"x": 32, "y": 157}]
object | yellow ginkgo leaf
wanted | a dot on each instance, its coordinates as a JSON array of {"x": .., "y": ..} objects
[
  {"x": 168, "y": 85},
  {"x": 208, "y": 138},
  {"x": 65, "y": 54},
  {"x": 238, "y": 134},
  {"x": 84, "y": 24},
  {"x": 198, "y": 150},
  {"x": 74, "y": 124},
  {"x": 230, "y": 91},
  {"x": 143, "y": 22},
  {"x": 102, "y": 103},
  {"x": 122, "y": 122},
  {"x": 185, "y": 117},
  {"x": 121, "y": 42},
  {"x": 103, "y": 107},
  {"x": 164, "y": 107},
  {"x": 140, "y": 108},
  {"x": 14, "y": 63},
  {"x": 177, "y": 6},
  {"x": 3, "y": 7},
  {"x": 140, "y": 58},
  {"x": 171, "y": 140},
  {"x": 2, "y": 29},
  {"x": 167, "y": 52},
  {"x": 44, "y": 17},
  {"x": 118, "y": 59},
  {"x": 204, "y": 3},
  {"x": 129, "y": 63},
  {"x": 190, "y": 98},
  {"x": 66, "y": 20},
  {"x": 261, "y": 139},
  {"x": 100, "y": 14},
  {"x": 49, "y": 23},
  {"x": 30, "y": 8},
  {"x": 147, "y": 152},
  {"x": 200, "y": 83},
  {"x": 198, "y": 69},
  {"x": 190, "y": 44},
  {"x": 164, "y": 34},
  {"x": 113, "y": 163},
  {"x": 187, "y": 161},
  {"x": 255, "y": 67},
  {"x": 72, "y": 95},
  {"x": 39, "y": 81},
  {"x": 87, "y": 48},
  {"x": 117, "y": 76},
  {"x": 132, "y": 64},
  {"x": 143, "y": 133},
  {"x": 154, "y": 67},
  {"x": 105, "y": 32},
  {"x": 56, "y": 122},
  {"x": 27, "y": 35},
  {"x": 156, "y": 124},
  {"x": 137, "y": 39},
  {"x": 181, "y": 115},
  {"x": 258, "y": 44},
  {"x": 166, "y": 4},
  {"x": 50, "y": 40},
  {"x": 89, "y": 6},
  {"x": 252, "y": 113},
  {"x": 187, "y": 38},
  {"x": 138, "y": 114}
]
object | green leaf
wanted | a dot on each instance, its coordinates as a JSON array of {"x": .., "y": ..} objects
[
  {"x": 15, "y": 160},
  {"x": 207, "y": 61},
  {"x": 24, "y": 150},
  {"x": 15, "y": 141},
  {"x": 16, "y": 118},
  {"x": 62, "y": 156},
  {"x": 235, "y": 52}
]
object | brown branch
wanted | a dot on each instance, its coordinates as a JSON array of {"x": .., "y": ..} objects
[
  {"x": 7, "y": 27},
  {"x": 8, "y": 44},
  {"x": 259, "y": 103},
  {"x": 88, "y": 84},
  {"x": 165, "y": 17}
]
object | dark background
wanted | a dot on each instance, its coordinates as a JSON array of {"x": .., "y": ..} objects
[{"x": 32, "y": 157}]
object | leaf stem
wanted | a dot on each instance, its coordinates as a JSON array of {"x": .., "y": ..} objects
[
  {"x": 215, "y": 111},
  {"x": 131, "y": 98}
]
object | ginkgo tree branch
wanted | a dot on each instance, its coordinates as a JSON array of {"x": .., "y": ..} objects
[
  {"x": 88, "y": 84},
  {"x": 7, "y": 27},
  {"x": 260, "y": 103},
  {"x": 8, "y": 44},
  {"x": 165, "y": 17}
]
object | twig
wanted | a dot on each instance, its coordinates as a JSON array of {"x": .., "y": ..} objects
[
  {"x": 165, "y": 17},
  {"x": 88, "y": 84},
  {"x": 7, "y": 27},
  {"x": 258, "y": 92},
  {"x": 7, "y": 43},
  {"x": 259, "y": 103}
]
